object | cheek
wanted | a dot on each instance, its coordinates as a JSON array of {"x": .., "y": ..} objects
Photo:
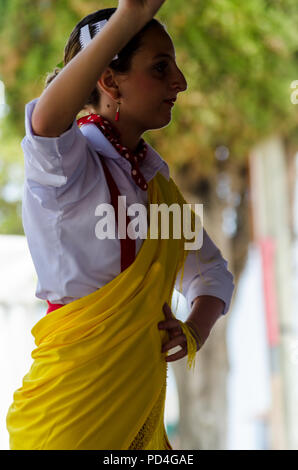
[{"x": 144, "y": 87}]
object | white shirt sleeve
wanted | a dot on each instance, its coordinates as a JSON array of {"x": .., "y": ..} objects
[
  {"x": 206, "y": 273},
  {"x": 51, "y": 161}
]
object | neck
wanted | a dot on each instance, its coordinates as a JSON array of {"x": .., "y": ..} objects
[{"x": 129, "y": 136}]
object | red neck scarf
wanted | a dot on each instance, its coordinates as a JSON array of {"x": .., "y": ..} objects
[{"x": 112, "y": 134}]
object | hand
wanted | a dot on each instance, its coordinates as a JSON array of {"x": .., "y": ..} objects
[
  {"x": 145, "y": 9},
  {"x": 177, "y": 337}
]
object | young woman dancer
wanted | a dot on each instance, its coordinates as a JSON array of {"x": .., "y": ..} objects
[{"x": 98, "y": 379}]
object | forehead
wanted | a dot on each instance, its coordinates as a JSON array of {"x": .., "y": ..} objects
[{"x": 155, "y": 43}]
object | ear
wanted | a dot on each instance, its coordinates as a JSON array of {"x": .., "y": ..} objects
[{"x": 108, "y": 83}]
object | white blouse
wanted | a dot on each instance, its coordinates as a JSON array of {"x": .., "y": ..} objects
[{"x": 64, "y": 183}]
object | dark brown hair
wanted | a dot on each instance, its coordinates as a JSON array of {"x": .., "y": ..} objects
[{"x": 121, "y": 65}]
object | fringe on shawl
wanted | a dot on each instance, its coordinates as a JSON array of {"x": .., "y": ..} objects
[{"x": 190, "y": 337}]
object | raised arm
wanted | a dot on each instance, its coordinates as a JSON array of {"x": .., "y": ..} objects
[{"x": 64, "y": 98}]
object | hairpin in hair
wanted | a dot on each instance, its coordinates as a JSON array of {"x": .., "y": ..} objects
[{"x": 85, "y": 36}]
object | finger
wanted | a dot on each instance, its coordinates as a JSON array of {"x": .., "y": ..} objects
[
  {"x": 167, "y": 311},
  {"x": 174, "y": 334},
  {"x": 177, "y": 341},
  {"x": 172, "y": 327},
  {"x": 177, "y": 355},
  {"x": 169, "y": 324}
]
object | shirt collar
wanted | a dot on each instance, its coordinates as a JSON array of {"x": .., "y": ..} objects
[{"x": 152, "y": 164}]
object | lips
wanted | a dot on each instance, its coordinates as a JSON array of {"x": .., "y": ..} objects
[{"x": 171, "y": 100}]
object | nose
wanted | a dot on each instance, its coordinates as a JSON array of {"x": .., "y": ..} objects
[{"x": 179, "y": 82}]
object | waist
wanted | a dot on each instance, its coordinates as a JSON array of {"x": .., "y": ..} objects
[{"x": 52, "y": 307}]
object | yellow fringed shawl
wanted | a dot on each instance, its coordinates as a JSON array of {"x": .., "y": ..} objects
[{"x": 98, "y": 379}]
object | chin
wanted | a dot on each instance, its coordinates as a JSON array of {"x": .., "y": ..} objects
[
  {"x": 165, "y": 123},
  {"x": 162, "y": 123}
]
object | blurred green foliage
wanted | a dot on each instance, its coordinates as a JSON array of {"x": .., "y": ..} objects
[{"x": 239, "y": 59}]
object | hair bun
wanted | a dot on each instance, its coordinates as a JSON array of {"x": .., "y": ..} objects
[{"x": 51, "y": 76}]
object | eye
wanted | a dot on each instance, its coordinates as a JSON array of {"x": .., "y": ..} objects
[{"x": 161, "y": 66}]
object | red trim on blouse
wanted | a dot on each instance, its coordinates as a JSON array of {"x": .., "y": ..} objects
[{"x": 127, "y": 245}]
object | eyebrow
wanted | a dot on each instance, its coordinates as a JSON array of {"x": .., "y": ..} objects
[{"x": 164, "y": 55}]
